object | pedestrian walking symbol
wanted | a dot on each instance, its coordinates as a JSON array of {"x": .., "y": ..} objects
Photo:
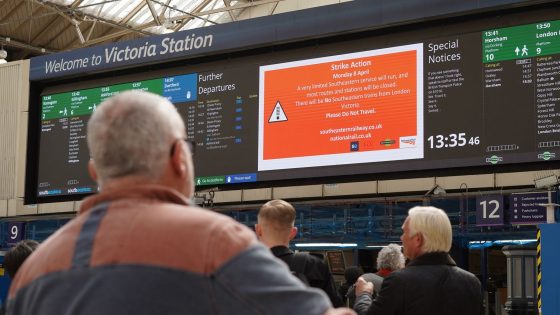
[
  {"x": 278, "y": 114},
  {"x": 524, "y": 51}
]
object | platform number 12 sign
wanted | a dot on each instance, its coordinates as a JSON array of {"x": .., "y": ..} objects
[{"x": 490, "y": 210}]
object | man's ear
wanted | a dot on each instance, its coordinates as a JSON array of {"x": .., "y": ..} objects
[
  {"x": 293, "y": 233},
  {"x": 92, "y": 171},
  {"x": 178, "y": 159},
  {"x": 419, "y": 240},
  {"x": 258, "y": 230}
]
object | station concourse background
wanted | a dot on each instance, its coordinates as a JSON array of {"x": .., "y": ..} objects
[
  {"x": 14, "y": 114},
  {"x": 367, "y": 213}
]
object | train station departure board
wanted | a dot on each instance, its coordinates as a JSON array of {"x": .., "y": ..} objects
[{"x": 468, "y": 96}]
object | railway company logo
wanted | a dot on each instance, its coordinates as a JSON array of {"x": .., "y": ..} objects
[
  {"x": 387, "y": 142},
  {"x": 494, "y": 159},
  {"x": 547, "y": 155},
  {"x": 408, "y": 142}
]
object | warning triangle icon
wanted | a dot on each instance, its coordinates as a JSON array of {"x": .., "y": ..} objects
[{"x": 278, "y": 114}]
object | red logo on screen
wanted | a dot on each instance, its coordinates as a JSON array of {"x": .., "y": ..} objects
[{"x": 409, "y": 141}]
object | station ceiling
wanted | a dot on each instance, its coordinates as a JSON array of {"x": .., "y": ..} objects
[{"x": 33, "y": 27}]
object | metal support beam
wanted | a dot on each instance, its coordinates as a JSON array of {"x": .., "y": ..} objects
[
  {"x": 273, "y": 9},
  {"x": 163, "y": 9},
  {"x": 46, "y": 29},
  {"x": 84, "y": 32},
  {"x": 22, "y": 45},
  {"x": 79, "y": 31},
  {"x": 91, "y": 30},
  {"x": 76, "y": 3},
  {"x": 227, "y": 4},
  {"x": 153, "y": 11},
  {"x": 29, "y": 19},
  {"x": 185, "y": 18},
  {"x": 132, "y": 13},
  {"x": 237, "y": 7},
  {"x": 192, "y": 15},
  {"x": 102, "y": 39},
  {"x": 94, "y": 22},
  {"x": 6, "y": 18},
  {"x": 70, "y": 13},
  {"x": 88, "y": 43}
]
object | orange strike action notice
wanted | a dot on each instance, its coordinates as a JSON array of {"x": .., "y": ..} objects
[{"x": 354, "y": 108}]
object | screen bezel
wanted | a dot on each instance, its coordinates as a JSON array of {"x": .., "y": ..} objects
[{"x": 37, "y": 88}]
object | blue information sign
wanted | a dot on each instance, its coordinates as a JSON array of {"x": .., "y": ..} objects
[
  {"x": 527, "y": 208},
  {"x": 16, "y": 231},
  {"x": 241, "y": 178},
  {"x": 490, "y": 210},
  {"x": 181, "y": 88}
]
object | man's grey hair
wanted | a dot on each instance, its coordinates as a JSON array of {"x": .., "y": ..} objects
[
  {"x": 435, "y": 227},
  {"x": 132, "y": 134},
  {"x": 390, "y": 257}
]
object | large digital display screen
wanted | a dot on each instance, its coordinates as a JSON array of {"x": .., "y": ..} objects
[
  {"x": 339, "y": 107},
  {"x": 470, "y": 95}
]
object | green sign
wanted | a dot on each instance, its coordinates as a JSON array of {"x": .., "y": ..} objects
[
  {"x": 84, "y": 102},
  {"x": 81, "y": 102},
  {"x": 53, "y": 105},
  {"x": 494, "y": 159},
  {"x": 211, "y": 180},
  {"x": 524, "y": 41},
  {"x": 547, "y": 155}
]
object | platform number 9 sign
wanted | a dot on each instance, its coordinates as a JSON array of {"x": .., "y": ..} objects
[{"x": 15, "y": 232}]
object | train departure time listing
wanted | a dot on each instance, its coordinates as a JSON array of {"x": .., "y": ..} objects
[{"x": 479, "y": 98}]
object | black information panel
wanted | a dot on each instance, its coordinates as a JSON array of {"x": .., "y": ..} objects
[{"x": 490, "y": 96}]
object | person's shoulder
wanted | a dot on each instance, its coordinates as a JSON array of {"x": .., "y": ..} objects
[
  {"x": 372, "y": 277},
  {"x": 406, "y": 274},
  {"x": 317, "y": 267},
  {"x": 168, "y": 221},
  {"x": 210, "y": 239},
  {"x": 221, "y": 232},
  {"x": 316, "y": 260},
  {"x": 462, "y": 273},
  {"x": 316, "y": 255},
  {"x": 193, "y": 215},
  {"x": 312, "y": 257},
  {"x": 210, "y": 221}
]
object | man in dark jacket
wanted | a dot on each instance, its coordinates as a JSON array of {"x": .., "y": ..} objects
[
  {"x": 431, "y": 283},
  {"x": 276, "y": 229}
]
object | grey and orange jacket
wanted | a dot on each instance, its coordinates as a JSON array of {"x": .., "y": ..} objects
[{"x": 144, "y": 250}]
